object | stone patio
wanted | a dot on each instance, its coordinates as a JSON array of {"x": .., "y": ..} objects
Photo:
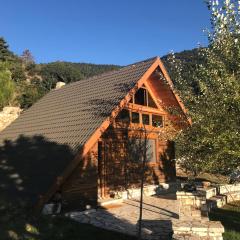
[
  {"x": 158, "y": 214},
  {"x": 178, "y": 216}
]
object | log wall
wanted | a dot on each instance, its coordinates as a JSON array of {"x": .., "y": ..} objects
[{"x": 81, "y": 187}]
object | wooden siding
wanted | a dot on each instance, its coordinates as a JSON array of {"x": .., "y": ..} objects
[{"x": 118, "y": 170}]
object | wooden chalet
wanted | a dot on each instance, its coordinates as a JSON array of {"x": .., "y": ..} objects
[{"x": 80, "y": 140}]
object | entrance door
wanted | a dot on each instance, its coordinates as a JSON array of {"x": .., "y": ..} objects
[{"x": 110, "y": 167}]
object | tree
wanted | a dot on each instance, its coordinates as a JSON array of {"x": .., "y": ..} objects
[
  {"x": 212, "y": 144},
  {"x": 59, "y": 71},
  {"x": 7, "y": 86},
  {"x": 27, "y": 57},
  {"x": 29, "y": 93},
  {"x": 5, "y": 53},
  {"x": 142, "y": 155}
]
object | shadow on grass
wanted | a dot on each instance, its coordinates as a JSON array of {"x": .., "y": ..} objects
[
  {"x": 229, "y": 216},
  {"x": 28, "y": 166},
  {"x": 54, "y": 228}
]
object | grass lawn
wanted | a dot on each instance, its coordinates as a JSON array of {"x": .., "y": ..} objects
[{"x": 229, "y": 215}]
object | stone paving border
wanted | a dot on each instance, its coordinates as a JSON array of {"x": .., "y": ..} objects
[{"x": 158, "y": 213}]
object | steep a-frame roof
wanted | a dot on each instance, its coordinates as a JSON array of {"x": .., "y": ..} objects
[
  {"x": 71, "y": 114},
  {"x": 42, "y": 143}
]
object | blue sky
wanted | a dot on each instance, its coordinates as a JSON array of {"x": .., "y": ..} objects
[{"x": 107, "y": 31}]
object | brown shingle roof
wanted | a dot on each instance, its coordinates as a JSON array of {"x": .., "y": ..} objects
[
  {"x": 71, "y": 114},
  {"x": 40, "y": 144}
]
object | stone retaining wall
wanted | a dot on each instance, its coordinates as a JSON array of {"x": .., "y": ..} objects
[
  {"x": 193, "y": 210},
  {"x": 8, "y": 115},
  {"x": 148, "y": 190},
  {"x": 221, "y": 189},
  {"x": 193, "y": 218},
  {"x": 198, "y": 230},
  {"x": 224, "y": 194}
]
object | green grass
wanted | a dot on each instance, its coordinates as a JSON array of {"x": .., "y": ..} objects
[{"x": 229, "y": 215}]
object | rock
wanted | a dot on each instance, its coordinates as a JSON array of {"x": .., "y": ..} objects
[
  {"x": 59, "y": 85},
  {"x": 8, "y": 115}
]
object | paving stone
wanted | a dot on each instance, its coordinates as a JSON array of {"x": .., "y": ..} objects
[{"x": 160, "y": 219}]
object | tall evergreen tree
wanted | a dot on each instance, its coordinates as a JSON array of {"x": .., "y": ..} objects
[{"x": 5, "y": 53}]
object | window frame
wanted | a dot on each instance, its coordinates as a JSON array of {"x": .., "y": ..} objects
[
  {"x": 147, "y": 98},
  {"x": 150, "y": 119},
  {"x": 154, "y": 158},
  {"x": 139, "y": 117},
  {"x": 158, "y": 115}
]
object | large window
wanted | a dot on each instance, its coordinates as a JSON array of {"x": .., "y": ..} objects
[
  {"x": 151, "y": 151},
  {"x": 138, "y": 150}
]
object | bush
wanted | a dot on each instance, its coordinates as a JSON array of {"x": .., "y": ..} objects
[{"x": 7, "y": 86}]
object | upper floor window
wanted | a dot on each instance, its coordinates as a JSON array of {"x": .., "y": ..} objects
[
  {"x": 143, "y": 97},
  {"x": 147, "y": 119}
]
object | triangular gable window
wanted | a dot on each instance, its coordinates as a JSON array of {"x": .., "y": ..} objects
[{"x": 143, "y": 97}]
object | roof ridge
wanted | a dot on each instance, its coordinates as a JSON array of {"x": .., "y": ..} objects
[
  {"x": 109, "y": 72},
  {"x": 143, "y": 61}
]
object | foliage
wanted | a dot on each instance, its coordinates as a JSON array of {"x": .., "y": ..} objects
[
  {"x": 5, "y": 53},
  {"x": 27, "y": 57},
  {"x": 59, "y": 71},
  {"x": 7, "y": 86},
  {"x": 30, "y": 93},
  {"x": 69, "y": 72},
  {"x": 213, "y": 143},
  {"x": 181, "y": 66},
  {"x": 229, "y": 215},
  {"x": 33, "y": 80}
]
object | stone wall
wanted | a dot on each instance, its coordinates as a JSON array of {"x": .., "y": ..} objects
[
  {"x": 220, "y": 195},
  {"x": 198, "y": 230},
  {"x": 148, "y": 190},
  {"x": 8, "y": 115},
  {"x": 192, "y": 205},
  {"x": 193, "y": 220}
]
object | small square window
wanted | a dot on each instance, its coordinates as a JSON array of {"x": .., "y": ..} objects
[
  {"x": 123, "y": 116},
  {"x": 145, "y": 119},
  {"x": 135, "y": 117},
  {"x": 157, "y": 121}
]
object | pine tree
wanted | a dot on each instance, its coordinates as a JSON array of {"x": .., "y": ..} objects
[{"x": 5, "y": 53}]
